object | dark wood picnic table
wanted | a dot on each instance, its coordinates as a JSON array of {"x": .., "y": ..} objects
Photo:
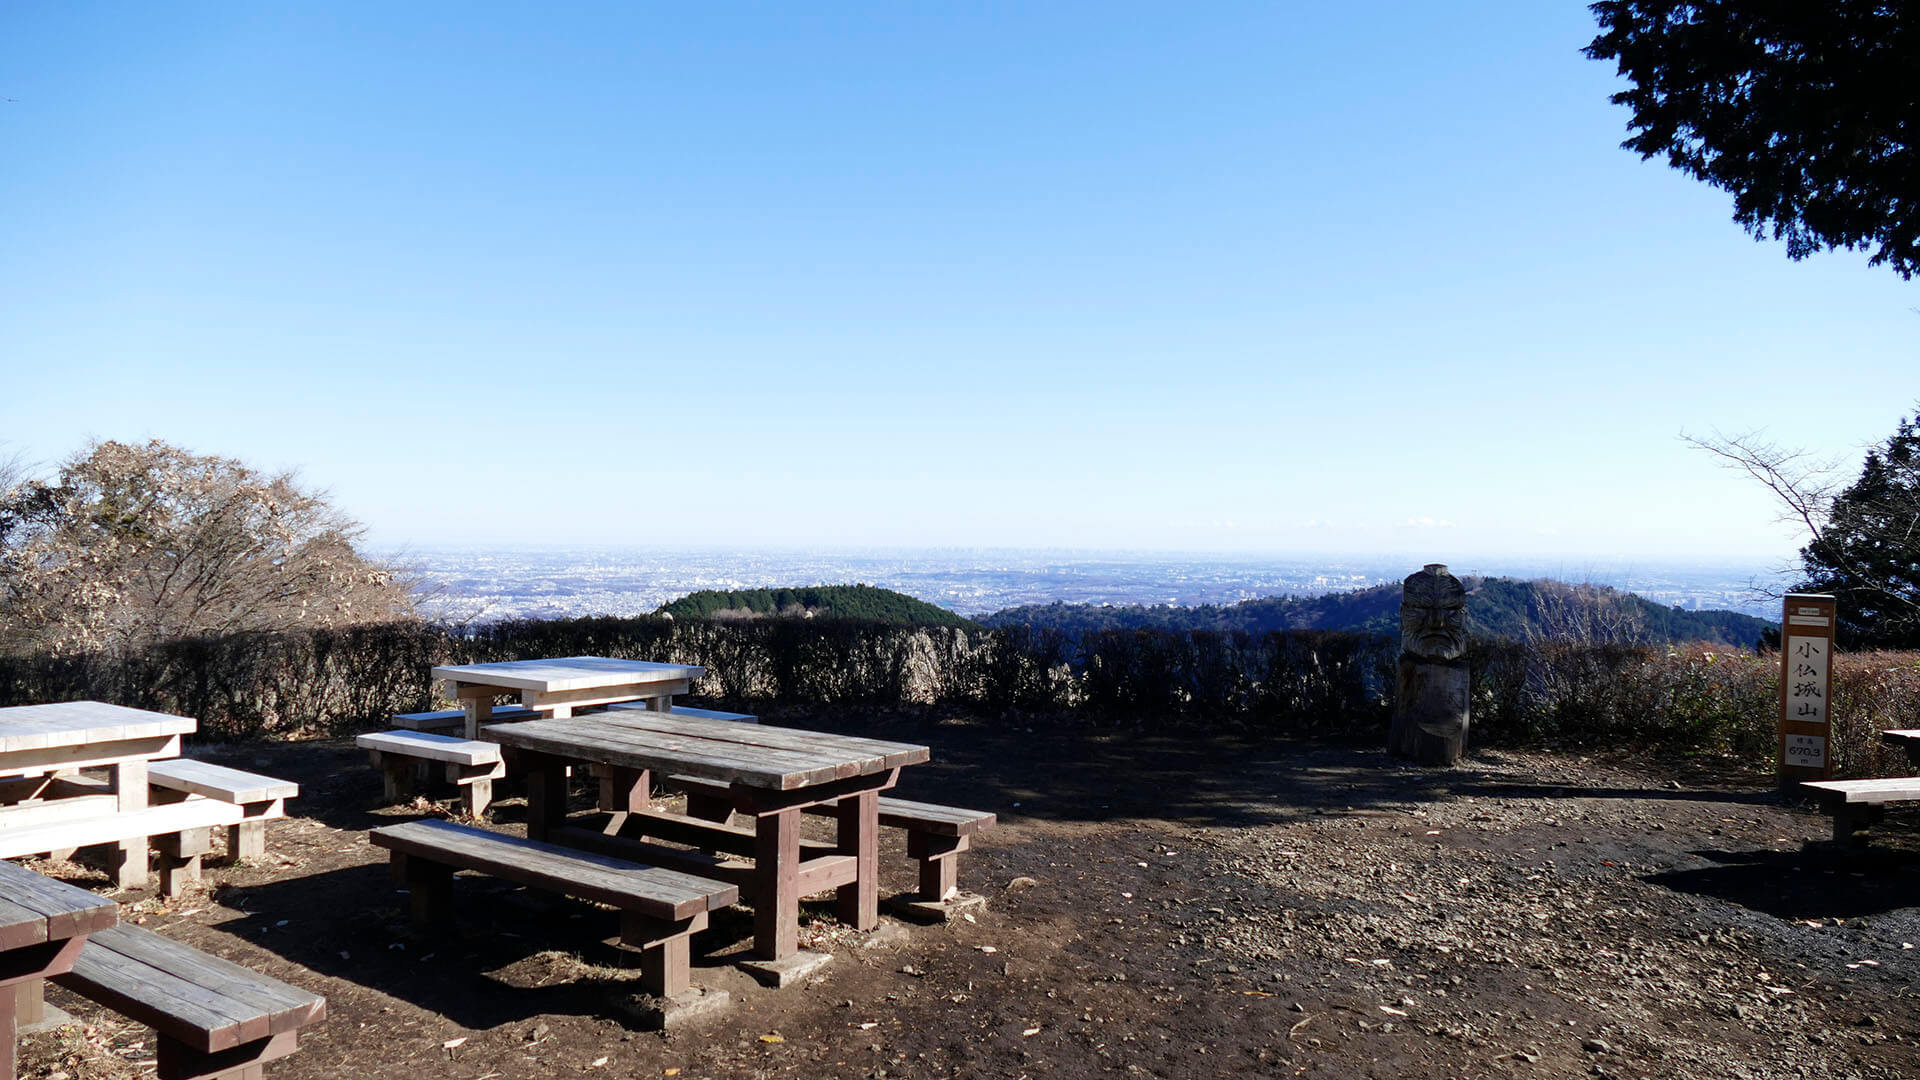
[
  {"x": 774, "y": 774},
  {"x": 43, "y": 926}
]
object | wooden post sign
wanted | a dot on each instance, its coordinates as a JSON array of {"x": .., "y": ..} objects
[{"x": 1806, "y": 687}]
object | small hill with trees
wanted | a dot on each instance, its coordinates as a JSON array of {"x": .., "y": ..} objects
[
  {"x": 863, "y": 603},
  {"x": 1496, "y": 607}
]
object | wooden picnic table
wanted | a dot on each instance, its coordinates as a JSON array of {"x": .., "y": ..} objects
[
  {"x": 43, "y": 746},
  {"x": 43, "y": 926},
  {"x": 775, "y": 774},
  {"x": 557, "y": 687}
]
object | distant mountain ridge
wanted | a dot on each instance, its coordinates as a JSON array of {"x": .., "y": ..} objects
[
  {"x": 857, "y": 602},
  {"x": 1496, "y": 607}
]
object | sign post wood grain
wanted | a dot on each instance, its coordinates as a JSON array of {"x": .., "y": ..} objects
[{"x": 1806, "y": 687}]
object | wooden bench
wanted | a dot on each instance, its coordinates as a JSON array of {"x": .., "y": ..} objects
[
  {"x": 660, "y": 909},
  {"x": 258, "y": 797},
  {"x": 455, "y": 719},
  {"x": 214, "y": 1018},
  {"x": 1858, "y": 803},
  {"x": 936, "y": 835},
  {"x": 472, "y": 764},
  {"x": 188, "y": 799}
]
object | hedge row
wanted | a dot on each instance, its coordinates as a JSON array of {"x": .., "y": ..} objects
[{"x": 1307, "y": 682}]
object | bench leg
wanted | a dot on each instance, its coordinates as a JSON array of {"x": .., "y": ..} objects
[
  {"x": 939, "y": 858},
  {"x": 1849, "y": 820},
  {"x": 396, "y": 775},
  {"x": 476, "y": 797},
  {"x": 180, "y": 859},
  {"x": 429, "y": 890},
  {"x": 178, "y": 1061},
  {"x": 858, "y": 902},
  {"x": 666, "y": 951},
  {"x": 247, "y": 840},
  {"x": 476, "y": 782}
]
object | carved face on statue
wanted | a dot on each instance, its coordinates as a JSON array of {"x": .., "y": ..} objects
[{"x": 1433, "y": 615}]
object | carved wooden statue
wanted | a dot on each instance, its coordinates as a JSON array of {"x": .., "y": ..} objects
[{"x": 1431, "y": 712}]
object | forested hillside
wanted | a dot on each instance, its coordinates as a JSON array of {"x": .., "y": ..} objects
[
  {"x": 1496, "y": 607},
  {"x": 860, "y": 602}
]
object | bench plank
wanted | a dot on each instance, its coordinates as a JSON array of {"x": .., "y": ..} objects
[
  {"x": 218, "y": 781},
  {"x": 931, "y": 818},
  {"x": 422, "y": 744},
  {"x": 1867, "y": 792},
  {"x": 159, "y": 820},
  {"x": 206, "y": 1003},
  {"x": 650, "y": 890}
]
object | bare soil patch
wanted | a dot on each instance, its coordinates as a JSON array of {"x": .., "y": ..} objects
[{"x": 1158, "y": 906}]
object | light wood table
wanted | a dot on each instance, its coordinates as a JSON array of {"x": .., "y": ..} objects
[
  {"x": 774, "y": 774},
  {"x": 42, "y": 748},
  {"x": 555, "y": 688},
  {"x": 43, "y": 926}
]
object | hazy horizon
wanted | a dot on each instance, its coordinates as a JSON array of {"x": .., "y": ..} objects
[{"x": 484, "y": 582}]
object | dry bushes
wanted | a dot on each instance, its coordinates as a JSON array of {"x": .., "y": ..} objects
[{"x": 1299, "y": 683}]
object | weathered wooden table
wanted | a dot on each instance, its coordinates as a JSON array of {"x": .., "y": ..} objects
[
  {"x": 774, "y": 774},
  {"x": 41, "y": 748},
  {"x": 43, "y": 926},
  {"x": 557, "y": 687}
]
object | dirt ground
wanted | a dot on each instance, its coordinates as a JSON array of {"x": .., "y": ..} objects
[{"x": 1172, "y": 907}]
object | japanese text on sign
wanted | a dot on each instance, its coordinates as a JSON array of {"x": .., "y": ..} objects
[{"x": 1806, "y": 675}]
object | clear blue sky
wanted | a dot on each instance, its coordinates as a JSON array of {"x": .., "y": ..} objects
[{"x": 1265, "y": 278}]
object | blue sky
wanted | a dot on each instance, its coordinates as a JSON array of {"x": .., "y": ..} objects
[{"x": 1270, "y": 278}]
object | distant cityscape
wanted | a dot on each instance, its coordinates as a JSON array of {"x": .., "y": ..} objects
[{"x": 488, "y": 584}]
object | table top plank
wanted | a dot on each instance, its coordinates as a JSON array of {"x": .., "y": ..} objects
[
  {"x": 873, "y": 754},
  {"x": 59, "y": 909},
  {"x": 78, "y": 723},
  {"x": 590, "y": 738},
  {"x": 566, "y": 673}
]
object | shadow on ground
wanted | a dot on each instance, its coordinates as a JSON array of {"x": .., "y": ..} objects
[
  {"x": 512, "y": 954},
  {"x": 1818, "y": 882}
]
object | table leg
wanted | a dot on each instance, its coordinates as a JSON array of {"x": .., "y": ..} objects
[
  {"x": 30, "y": 1002},
  {"x": 546, "y": 794},
  {"x": 479, "y": 710},
  {"x": 776, "y": 904},
  {"x": 9, "y": 1043},
  {"x": 129, "y": 857},
  {"x": 858, "y": 902},
  {"x": 624, "y": 790}
]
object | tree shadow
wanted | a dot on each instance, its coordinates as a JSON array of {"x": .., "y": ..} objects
[{"x": 1817, "y": 882}]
